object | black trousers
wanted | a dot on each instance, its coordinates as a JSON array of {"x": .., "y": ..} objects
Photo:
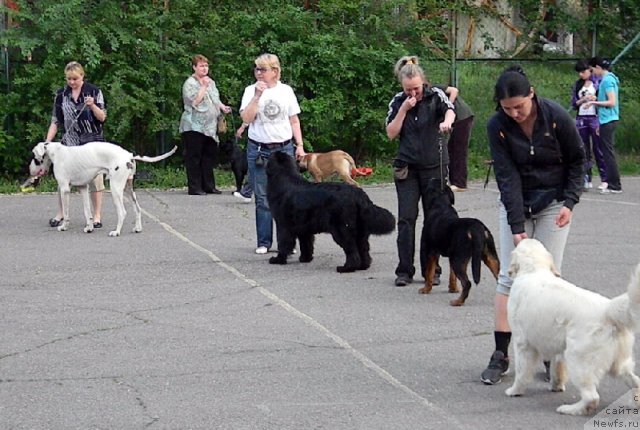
[
  {"x": 458, "y": 152},
  {"x": 200, "y": 156},
  {"x": 410, "y": 191},
  {"x": 607, "y": 144}
]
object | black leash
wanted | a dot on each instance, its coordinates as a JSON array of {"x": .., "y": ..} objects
[
  {"x": 440, "y": 150},
  {"x": 486, "y": 180}
]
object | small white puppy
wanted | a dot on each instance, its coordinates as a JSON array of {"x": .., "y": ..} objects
[{"x": 583, "y": 334}]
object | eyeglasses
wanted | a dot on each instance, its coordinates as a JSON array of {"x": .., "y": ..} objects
[{"x": 261, "y": 69}]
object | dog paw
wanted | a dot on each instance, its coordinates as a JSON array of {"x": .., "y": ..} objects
[
  {"x": 456, "y": 302},
  {"x": 512, "y": 392},
  {"x": 424, "y": 290},
  {"x": 88, "y": 229},
  {"x": 345, "y": 269},
  {"x": 114, "y": 233},
  {"x": 137, "y": 229},
  {"x": 277, "y": 260},
  {"x": 63, "y": 227},
  {"x": 571, "y": 410},
  {"x": 306, "y": 258},
  {"x": 557, "y": 388}
]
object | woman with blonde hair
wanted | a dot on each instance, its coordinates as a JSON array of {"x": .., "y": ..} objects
[
  {"x": 80, "y": 109},
  {"x": 418, "y": 116},
  {"x": 271, "y": 110}
]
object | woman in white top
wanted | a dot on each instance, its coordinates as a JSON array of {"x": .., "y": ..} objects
[{"x": 271, "y": 110}]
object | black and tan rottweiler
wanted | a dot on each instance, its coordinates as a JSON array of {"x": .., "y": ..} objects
[{"x": 460, "y": 239}]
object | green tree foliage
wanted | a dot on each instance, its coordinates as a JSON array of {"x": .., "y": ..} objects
[{"x": 338, "y": 55}]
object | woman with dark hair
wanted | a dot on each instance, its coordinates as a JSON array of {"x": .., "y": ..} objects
[
  {"x": 539, "y": 165},
  {"x": 608, "y": 105},
  {"x": 199, "y": 127},
  {"x": 584, "y": 91}
]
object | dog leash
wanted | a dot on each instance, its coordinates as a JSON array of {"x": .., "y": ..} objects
[
  {"x": 486, "y": 180},
  {"x": 440, "y": 150}
]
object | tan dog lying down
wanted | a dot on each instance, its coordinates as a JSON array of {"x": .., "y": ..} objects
[{"x": 323, "y": 165}]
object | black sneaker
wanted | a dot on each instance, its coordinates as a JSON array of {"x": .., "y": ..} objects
[
  {"x": 403, "y": 281},
  {"x": 547, "y": 371},
  {"x": 498, "y": 366}
]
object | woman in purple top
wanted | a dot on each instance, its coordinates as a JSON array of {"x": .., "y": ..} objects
[{"x": 585, "y": 90}]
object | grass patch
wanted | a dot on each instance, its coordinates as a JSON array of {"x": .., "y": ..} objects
[{"x": 166, "y": 178}]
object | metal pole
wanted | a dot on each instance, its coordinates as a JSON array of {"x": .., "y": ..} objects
[
  {"x": 626, "y": 49},
  {"x": 453, "y": 73}
]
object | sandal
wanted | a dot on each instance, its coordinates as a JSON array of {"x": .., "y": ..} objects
[
  {"x": 55, "y": 222},
  {"x": 97, "y": 224}
]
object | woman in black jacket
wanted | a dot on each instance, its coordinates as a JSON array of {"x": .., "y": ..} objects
[
  {"x": 418, "y": 116},
  {"x": 539, "y": 162}
]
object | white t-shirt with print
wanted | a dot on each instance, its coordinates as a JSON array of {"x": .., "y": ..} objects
[
  {"x": 275, "y": 107},
  {"x": 584, "y": 91}
]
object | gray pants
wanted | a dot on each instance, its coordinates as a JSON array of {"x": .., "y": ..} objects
[{"x": 541, "y": 226}]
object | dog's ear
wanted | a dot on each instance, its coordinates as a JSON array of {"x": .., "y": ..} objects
[
  {"x": 39, "y": 150},
  {"x": 514, "y": 264}
]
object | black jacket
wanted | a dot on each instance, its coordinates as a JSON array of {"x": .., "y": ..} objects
[
  {"x": 531, "y": 174},
  {"x": 420, "y": 131}
]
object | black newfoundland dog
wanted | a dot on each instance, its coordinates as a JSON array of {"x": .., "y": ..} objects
[{"x": 301, "y": 209}]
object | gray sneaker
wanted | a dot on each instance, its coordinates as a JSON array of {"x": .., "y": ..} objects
[{"x": 498, "y": 366}]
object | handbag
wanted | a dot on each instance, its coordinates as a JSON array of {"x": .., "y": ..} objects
[{"x": 222, "y": 124}]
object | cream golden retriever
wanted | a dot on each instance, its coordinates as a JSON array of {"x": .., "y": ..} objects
[{"x": 583, "y": 334}]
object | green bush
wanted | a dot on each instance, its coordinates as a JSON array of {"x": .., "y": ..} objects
[{"x": 338, "y": 55}]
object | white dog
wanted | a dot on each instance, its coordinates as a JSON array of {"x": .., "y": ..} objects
[
  {"x": 78, "y": 165},
  {"x": 583, "y": 334}
]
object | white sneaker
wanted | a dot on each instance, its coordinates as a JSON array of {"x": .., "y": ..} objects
[
  {"x": 610, "y": 191},
  {"x": 262, "y": 250},
  {"x": 241, "y": 197},
  {"x": 603, "y": 186}
]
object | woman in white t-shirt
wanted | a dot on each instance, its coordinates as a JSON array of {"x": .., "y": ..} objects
[{"x": 271, "y": 110}]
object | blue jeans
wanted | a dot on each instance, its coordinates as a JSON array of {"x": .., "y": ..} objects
[{"x": 258, "y": 177}]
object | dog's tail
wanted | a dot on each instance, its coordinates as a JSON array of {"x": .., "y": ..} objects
[
  {"x": 477, "y": 249},
  {"x": 378, "y": 220},
  {"x": 483, "y": 248},
  {"x": 625, "y": 308},
  {"x": 155, "y": 159}
]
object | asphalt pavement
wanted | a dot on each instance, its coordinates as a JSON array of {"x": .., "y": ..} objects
[{"x": 183, "y": 327}]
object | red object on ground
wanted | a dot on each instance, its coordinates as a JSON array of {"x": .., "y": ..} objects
[{"x": 361, "y": 171}]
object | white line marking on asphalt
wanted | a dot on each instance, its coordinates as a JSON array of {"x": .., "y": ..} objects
[{"x": 445, "y": 419}]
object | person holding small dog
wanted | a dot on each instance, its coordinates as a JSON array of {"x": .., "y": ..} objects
[
  {"x": 271, "y": 110},
  {"x": 80, "y": 110},
  {"x": 608, "y": 106},
  {"x": 198, "y": 127},
  {"x": 539, "y": 163},
  {"x": 419, "y": 115},
  {"x": 585, "y": 90}
]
